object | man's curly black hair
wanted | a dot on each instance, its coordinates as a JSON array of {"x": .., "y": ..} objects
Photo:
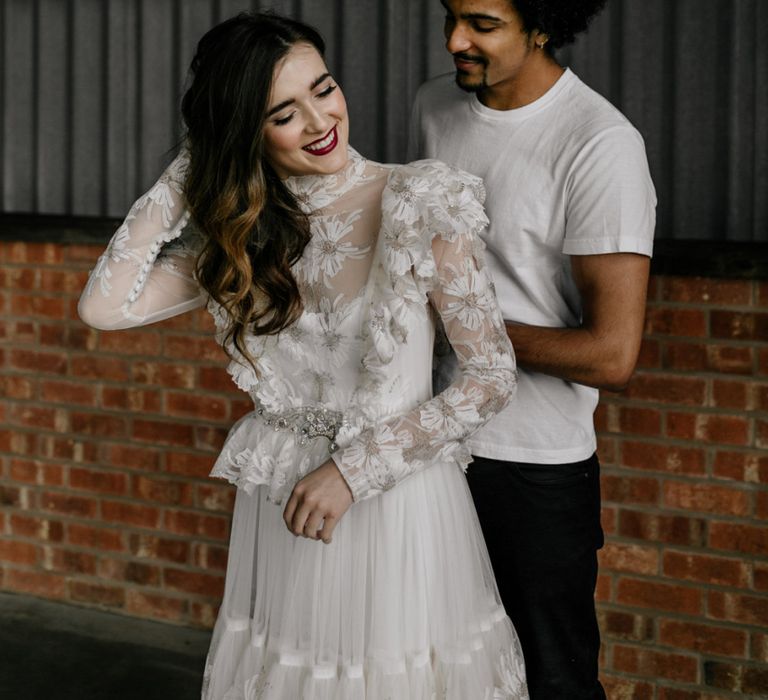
[{"x": 560, "y": 20}]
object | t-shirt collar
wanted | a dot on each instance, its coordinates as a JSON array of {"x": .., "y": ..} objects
[{"x": 522, "y": 113}]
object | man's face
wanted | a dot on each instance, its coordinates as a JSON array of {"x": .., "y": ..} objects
[{"x": 487, "y": 41}]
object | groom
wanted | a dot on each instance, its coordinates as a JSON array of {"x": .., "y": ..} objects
[{"x": 572, "y": 210}]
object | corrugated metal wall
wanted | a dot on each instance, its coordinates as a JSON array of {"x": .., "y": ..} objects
[{"x": 90, "y": 89}]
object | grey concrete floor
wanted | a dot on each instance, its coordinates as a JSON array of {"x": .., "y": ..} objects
[{"x": 52, "y": 651}]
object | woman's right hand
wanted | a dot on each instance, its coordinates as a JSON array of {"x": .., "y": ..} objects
[{"x": 317, "y": 503}]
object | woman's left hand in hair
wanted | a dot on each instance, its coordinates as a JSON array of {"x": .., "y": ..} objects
[{"x": 317, "y": 503}]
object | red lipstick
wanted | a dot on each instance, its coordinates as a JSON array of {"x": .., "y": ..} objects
[{"x": 329, "y": 142}]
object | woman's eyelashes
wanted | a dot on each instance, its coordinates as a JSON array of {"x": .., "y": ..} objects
[{"x": 323, "y": 93}]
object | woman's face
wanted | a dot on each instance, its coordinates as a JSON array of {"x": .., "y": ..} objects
[{"x": 306, "y": 131}]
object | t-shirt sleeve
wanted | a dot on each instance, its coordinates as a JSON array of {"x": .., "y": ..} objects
[{"x": 610, "y": 202}]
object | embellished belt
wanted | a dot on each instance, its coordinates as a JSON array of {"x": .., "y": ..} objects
[{"x": 306, "y": 422}]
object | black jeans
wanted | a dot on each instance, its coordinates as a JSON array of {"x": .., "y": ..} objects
[{"x": 542, "y": 526}]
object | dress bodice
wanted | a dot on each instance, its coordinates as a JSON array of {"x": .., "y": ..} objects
[{"x": 393, "y": 248}]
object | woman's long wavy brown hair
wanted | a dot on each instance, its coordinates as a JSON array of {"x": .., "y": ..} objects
[{"x": 253, "y": 227}]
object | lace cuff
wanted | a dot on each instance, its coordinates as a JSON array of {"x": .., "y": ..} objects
[{"x": 356, "y": 479}]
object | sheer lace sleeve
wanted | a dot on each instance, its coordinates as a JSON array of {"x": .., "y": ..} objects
[
  {"x": 146, "y": 273},
  {"x": 460, "y": 291}
]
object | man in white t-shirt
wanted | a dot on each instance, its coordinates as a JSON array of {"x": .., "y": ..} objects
[{"x": 572, "y": 211}]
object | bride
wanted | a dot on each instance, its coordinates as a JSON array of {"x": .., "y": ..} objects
[{"x": 357, "y": 570}]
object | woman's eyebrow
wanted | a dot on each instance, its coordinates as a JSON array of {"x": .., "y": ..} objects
[{"x": 285, "y": 103}]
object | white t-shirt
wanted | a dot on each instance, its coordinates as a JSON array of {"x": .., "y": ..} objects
[{"x": 565, "y": 175}]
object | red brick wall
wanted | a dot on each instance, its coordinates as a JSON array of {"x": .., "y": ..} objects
[
  {"x": 106, "y": 442},
  {"x": 683, "y": 587},
  {"x": 107, "y": 438}
]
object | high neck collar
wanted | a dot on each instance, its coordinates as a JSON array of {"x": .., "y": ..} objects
[{"x": 314, "y": 192}]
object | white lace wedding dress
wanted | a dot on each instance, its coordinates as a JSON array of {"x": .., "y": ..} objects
[{"x": 402, "y": 605}]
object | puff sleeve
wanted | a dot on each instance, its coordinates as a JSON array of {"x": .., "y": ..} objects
[{"x": 440, "y": 215}]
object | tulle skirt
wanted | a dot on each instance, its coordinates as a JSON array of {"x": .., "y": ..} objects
[{"x": 402, "y": 605}]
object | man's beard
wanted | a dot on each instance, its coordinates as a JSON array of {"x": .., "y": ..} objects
[{"x": 471, "y": 87}]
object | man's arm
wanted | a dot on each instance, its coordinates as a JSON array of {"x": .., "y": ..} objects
[{"x": 603, "y": 351}]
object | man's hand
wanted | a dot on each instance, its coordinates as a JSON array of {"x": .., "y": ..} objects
[{"x": 317, "y": 503}]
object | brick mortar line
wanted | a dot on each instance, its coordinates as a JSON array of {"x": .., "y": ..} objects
[
  {"x": 126, "y": 555},
  {"x": 160, "y": 449},
  {"x": 706, "y": 338},
  {"x": 687, "y": 478},
  {"x": 749, "y": 307},
  {"x": 672, "y": 373},
  {"x": 129, "y": 528},
  {"x": 127, "y": 440},
  {"x": 97, "y": 383},
  {"x": 677, "y": 583},
  {"x": 677, "y": 617},
  {"x": 211, "y": 453},
  {"x": 709, "y": 411},
  {"x": 747, "y": 558},
  {"x": 197, "y": 481},
  {"x": 112, "y": 497},
  {"x": 5, "y": 244},
  {"x": 79, "y": 351},
  {"x": 656, "y": 685},
  {"x": 666, "y": 510},
  {"x": 165, "y": 327},
  {"x": 161, "y": 391},
  {"x": 658, "y": 510},
  {"x": 102, "y": 525},
  {"x": 128, "y": 384},
  {"x": 685, "y": 550},
  {"x": 661, "y": 440},
  {"x": 751, "y": 442},
  {"x": 160, "y": 564},
  {"x": 702, "y": 656},
  {"x": 715, "y": 514},
  {"x": 37, "y": 489},
  {"x": 122, "y": 412},
  {"x": 659, "y": 578},
  {"x": 724, "y": 694},
  {"x": 158, "y": 328},
  {"x": 126, "y": 585},
  {"x": 125, "y": 414},
  {"x": 102, "y": 495},
  {"x": 705, "y": 656},
  {"x": 675, "y": 476}
]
